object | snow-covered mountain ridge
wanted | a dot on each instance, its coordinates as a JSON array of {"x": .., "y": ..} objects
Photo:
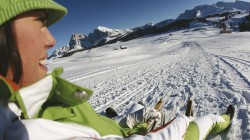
[
  {"x": 222, "y": 14},
  {"x": 81, "y": 41},
  {"x": 203, "y": 11}
]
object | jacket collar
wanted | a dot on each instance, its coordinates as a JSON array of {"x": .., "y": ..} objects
[
  {"x": 12, "y": 84},
  {"x": 51, "y": 89},
  {"x": 31, "y": 98}
]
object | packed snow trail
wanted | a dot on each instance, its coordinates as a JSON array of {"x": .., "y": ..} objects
[{"x": 178, "y": 67}]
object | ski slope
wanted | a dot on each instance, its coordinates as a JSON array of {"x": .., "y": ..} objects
[{"x": 211, "y": 68}]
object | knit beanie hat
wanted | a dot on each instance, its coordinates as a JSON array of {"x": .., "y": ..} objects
[{"x": 12, "y": 8}]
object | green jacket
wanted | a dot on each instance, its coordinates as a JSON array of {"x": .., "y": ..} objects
[{"x": 56, "y": 99}]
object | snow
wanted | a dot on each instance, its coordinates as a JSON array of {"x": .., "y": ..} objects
[
  {"x": 211, "y": 68},
  {"x": 104, "y": 29},
  {"x": 198, "y": 14}
]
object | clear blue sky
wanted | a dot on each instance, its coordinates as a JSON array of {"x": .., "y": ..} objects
[{"x": 85, "y": 15}]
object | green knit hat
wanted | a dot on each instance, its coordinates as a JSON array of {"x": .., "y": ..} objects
[{"x": 12, "y": 8}]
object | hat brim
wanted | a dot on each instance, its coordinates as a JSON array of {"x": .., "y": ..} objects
[
  {"x": 55, "y": 10},
  {"x": 55, "y": 13}
]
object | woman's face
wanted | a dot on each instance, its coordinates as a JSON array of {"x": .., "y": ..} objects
[{"x": 33, "y": 39}]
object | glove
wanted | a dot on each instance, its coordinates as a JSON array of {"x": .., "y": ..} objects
[
  {"x": 152, "y": 115},
  {"x": 144, "y": 115}
]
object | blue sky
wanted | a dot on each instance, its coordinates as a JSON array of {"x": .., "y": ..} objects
[{"x": 85, "y": 15}]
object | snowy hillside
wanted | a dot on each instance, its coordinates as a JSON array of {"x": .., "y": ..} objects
[{"x": 211, "y": 68}]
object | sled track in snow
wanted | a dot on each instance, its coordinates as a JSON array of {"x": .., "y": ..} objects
[
  {"x": 233, "y": 88},
  {"x": 134, "y": 91},
  {"x": 242, "y": 61},
  {"x": 140, "y": 77},
  {"x": 167, "y": 91},
  {"x": 240, "y": 74}
]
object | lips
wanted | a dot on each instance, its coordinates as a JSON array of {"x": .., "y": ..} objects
[
  {"x": 42, "y": 62},
  {"x": 43, "y": 59}
]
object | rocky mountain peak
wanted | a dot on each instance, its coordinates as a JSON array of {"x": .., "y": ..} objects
[{"x": 77, "y": 36}]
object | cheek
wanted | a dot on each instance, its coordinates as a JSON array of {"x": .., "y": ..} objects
[
  {"x": 30, "y": 47},
  {"x": 28, "y": 44},
  {"x": 28, "y": 54},
  {"x": 30, "y": 69},
  {"x": 28, "y": 64}
]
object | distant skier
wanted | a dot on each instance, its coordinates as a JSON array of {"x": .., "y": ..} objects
[{"x": 35, "y": 105}]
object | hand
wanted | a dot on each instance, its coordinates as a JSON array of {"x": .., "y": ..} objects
[{"x": 151, "y": 115}]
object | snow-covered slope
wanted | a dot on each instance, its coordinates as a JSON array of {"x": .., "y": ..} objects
[
  {"x": 211, "y": 68},
  {"x": 220, "y": 7}
]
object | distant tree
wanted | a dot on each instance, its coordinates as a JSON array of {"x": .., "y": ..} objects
[
  {"x": 226, "y": 17},
  {"x": 224, "y": 26},
  {"x": 202, "y": 20},
  {"x": 245, "y": 25}
]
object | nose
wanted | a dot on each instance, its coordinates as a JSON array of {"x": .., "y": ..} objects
[{"x": 50, "y": 41}]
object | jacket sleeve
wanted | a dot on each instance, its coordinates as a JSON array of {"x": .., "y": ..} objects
[
  {"x": 10, "y": 124},
  {"x": 6, "y": 117},
  {"x": 41, "y": 128},
  {"x": 174, "y": 131}
]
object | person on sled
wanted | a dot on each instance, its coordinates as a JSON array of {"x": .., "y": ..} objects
[{"x": 35, "y": 105}]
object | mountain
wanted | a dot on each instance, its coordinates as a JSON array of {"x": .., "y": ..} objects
[
  {"x": 229, "y": 16},
  {"x": 102, "y": 35},
  {"x": 79, "y": 42},
  {"x": 75, "y": 44},
  {"x": 203, "y": 11}
]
